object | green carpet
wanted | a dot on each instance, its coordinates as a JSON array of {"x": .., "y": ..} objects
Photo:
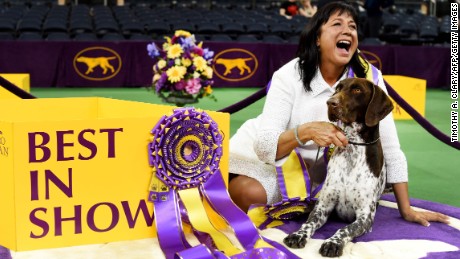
[{"x": 434, "y": 167}]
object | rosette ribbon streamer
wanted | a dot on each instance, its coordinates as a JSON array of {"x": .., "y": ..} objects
[
  {"x": 185, "y": 152},
  {"x": 298, "y": 196}
]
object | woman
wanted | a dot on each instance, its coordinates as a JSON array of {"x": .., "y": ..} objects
[
  {"x": 307, "y": 9},
  {"x": 297, "y": 99},
  {"x": 289, "y": 8}
]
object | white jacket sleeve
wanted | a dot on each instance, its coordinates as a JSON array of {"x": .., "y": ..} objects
[
  {"x": 395, "y": 160},
  {"x": 275, "y": 116}
]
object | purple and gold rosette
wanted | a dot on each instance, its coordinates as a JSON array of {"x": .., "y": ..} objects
[
  {"x": 186, "y": 148},
  {"x": 184, "y": 153}
]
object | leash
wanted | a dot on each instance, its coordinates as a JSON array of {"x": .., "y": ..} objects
[{"x": 317, "y": 155}]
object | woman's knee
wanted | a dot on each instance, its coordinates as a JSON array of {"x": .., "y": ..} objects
[{"x": 246, "y": 191}]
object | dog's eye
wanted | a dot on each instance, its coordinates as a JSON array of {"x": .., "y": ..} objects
[{"x": 356, "y": 90}]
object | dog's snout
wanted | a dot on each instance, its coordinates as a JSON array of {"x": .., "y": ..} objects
[{"x": 334, "y": 102}]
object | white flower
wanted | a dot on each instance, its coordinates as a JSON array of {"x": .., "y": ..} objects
[
  {"x": 161, "y": 64},
  {"x": 208, "y": 72}
]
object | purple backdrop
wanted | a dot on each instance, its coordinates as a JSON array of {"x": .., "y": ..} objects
[{"x": 126, "y": 63}]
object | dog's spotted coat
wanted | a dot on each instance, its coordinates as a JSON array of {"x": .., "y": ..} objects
[{"x": 356, "y": 173}]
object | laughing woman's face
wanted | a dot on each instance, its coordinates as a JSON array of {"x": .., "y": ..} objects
[{"x": 338, "y": 39}]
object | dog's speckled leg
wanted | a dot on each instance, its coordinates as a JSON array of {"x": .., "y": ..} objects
[
  {"x": 333, "y": 246},
  {"x": 316, "y": 219}
]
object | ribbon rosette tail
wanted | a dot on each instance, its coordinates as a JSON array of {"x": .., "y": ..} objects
[{"x": 185, "y": 153}]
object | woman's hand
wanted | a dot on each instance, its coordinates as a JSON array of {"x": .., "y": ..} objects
[
  {"x": 424, "y": 217},
  {"x": 324, "y": 133}
]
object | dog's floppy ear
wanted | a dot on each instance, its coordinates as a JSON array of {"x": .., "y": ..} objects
[{"x": 379, "y": 106}]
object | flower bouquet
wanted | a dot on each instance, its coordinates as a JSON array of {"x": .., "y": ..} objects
[{"x": 182, "y": 73}]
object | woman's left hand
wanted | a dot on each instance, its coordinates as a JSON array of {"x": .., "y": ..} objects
[{"x": 424, "y": 217}]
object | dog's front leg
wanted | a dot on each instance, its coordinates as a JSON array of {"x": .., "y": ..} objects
[
  {"x": 316, "y": 219},
  {"x": 334, "y": 245}
]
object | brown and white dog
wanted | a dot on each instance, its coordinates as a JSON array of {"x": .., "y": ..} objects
[{"x": 356, "y": 173}]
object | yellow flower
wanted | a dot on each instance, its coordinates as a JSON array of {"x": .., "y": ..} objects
[
  {"x": 196, "y": 74},
  {"x": 207, "y": 90},
  {"x": 176, "y": 73},
  {"x": 200, "y": 63},
  {"x": 161, "y": 64},
  {"x": 165, "y": 46},
  {"x": 208, "y": 72},
  {"x": 174, "y": 51},
  {"x": 186, "y": 62},
  {"x": 177, "y": 62},
  {"x": 179, "y": 33}
]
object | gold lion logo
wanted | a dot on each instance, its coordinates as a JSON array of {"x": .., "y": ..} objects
[
  {"x": 102, "y": 62},
  {"x": 230, "y": 64}
]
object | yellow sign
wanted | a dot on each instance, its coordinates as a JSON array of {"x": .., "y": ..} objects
[
  {"x": 412, "y": 90},
  {"x": 20, "y": 80},
  {"x": 75, "y": 171}
]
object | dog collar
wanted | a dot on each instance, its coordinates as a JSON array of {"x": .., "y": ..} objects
[
  {"x": 364, "y": 143},
  {"x": 339, "y": 124}
]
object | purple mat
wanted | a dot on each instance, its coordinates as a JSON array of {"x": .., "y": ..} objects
[{"x": 388, "y": 226}]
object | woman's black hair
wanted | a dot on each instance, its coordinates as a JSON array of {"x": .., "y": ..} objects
[{"x": 308, "y": 52}]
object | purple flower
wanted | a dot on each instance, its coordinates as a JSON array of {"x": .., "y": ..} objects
[
  {"x": 180, "y": 85},
  {"x": 207, "y": 54},
  {"x": 187, "y": 43},
  {"x": 161, "y": 82},
  {"x": 153, "y": 50},
  {"x": 198, "y": 51},
  {"x": 187, "y": 54},
  {"x": 193, "y": 86},
  {"x": 207, "y": 82}
]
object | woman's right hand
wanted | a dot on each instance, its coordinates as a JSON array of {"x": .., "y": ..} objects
[{"x": 323, "y": 133}]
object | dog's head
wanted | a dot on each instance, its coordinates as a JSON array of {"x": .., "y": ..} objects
[{"x": 358, "y": 100}]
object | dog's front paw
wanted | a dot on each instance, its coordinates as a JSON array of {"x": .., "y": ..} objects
[
  {"x": 295, "y": 240},
  {"x": 332, "y": 248}
]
